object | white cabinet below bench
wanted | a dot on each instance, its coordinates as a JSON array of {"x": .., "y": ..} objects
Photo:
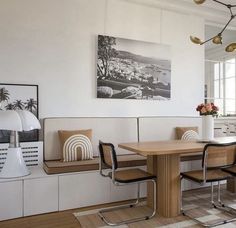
[
  {"x": 11, "y": 203},
  {"x": 82, "y": 190},
  {"x": 40, "y": 195}
]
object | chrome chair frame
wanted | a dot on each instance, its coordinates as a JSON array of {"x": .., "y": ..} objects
[
  {"x": 116, "y": 183},
  {"x": 219, "y": 205}
]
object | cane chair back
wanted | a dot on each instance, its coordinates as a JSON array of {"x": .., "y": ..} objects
[
  {"x": 108, "y": 155},
  {"x": 218, "y": 155}
]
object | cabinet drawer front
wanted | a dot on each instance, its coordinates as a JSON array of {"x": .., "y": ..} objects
[
  {"x": 40, "y": 195},
  {"x": 11, "y": 200}
]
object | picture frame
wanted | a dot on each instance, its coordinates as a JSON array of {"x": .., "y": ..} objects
[
  {"x": 19, "y": 97},
  {"x": 133, "y": 69}
]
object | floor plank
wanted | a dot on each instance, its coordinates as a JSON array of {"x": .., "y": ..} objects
[{"x": 66, "y": 219}]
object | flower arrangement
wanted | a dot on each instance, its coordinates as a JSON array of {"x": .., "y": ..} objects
[{"x": 207, "y": 109}]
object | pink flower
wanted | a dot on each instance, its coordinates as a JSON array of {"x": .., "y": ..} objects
[
  {"x": 215, "y": 108},
  {"x": 208, "y": 107},
  {"x": 203, "y": 110}
]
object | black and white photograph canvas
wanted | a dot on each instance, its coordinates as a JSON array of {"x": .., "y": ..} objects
[
  {"x": 19, "y": 97},
  {"x": 130, "y": 69}
]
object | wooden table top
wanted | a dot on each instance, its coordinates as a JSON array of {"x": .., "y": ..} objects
[{"x": 170, "y": 146}]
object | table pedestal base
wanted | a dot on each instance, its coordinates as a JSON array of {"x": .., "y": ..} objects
[{"x": 167, "y": 170}]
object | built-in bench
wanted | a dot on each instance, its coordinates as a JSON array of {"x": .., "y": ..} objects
[
  {"x": 124, "y": 161},
  {"x": 56, "y": 167},
  {"x": 113, "y": 130}
]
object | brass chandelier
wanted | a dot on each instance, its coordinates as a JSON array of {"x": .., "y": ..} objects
[{"x": 218, "y": 38}]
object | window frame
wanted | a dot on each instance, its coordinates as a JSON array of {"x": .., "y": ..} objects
[{"x": 222, "y": 77}]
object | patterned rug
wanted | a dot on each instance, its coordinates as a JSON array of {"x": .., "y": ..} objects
[{"x": 197, "y": 202}]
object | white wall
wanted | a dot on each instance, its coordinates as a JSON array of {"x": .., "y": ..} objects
[{"x": 52, "y": 43}]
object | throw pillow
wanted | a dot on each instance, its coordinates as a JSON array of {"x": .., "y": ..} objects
[
  {"x": 76, "y": 145},
  {"x": 187, "y": 133}
]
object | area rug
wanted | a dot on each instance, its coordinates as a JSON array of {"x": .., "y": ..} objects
[{"x": 196, "y": 202}]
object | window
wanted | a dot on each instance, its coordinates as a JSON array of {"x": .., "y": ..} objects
[{"x": 224, "y": 74}]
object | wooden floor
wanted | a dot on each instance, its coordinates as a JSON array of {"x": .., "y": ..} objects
[
  {"x": 53, "y": 220},
  {"x": 66, "y": 219}
]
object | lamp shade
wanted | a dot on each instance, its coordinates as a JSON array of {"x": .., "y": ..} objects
[
  {"x": 28, "y": 120},
  {"x": 231, "y": 47},
  {"x": 199, "y": 1},
  {"x": 10, "y": 120},
  {"x": 195, "y": 40},
  {"x": 18, "y": 120},
  {"x": 217, "y": 39}
]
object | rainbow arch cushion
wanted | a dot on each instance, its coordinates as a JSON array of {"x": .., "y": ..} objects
[
  {"x": 76, "y": 145},
  {"x": 187, "y": 133}
]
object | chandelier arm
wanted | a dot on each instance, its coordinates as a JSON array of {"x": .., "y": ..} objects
[
  {"x": 231, "y": 12},
  {"x": 207, "y": 40},
  {"x": 232, "y": 17},
  {"x": 218, "y": 38},
  {"x": 224, "y": 4}
]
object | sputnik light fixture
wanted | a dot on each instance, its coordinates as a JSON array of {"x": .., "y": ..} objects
[{"x": 217, "y": 39}]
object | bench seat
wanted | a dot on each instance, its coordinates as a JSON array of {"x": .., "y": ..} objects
[{"x": 57, "y": 166}]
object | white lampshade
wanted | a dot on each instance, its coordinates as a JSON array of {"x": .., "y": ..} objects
[
  {"x": 18, "y": 120},
  {"x": 10, "y": 120},
  {"x": 28, "y": 120}
]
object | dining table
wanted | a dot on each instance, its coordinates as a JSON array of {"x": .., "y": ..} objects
[{"x": 163, "y": 160}]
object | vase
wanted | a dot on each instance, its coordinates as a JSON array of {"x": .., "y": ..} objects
[{"x": 207, "y": 128}]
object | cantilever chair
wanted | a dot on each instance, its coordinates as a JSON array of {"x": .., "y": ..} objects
[
  {"x": 108, "y": 160},
  {"x": 215, "y": 157},
  {"x": 231, "y": 170}
]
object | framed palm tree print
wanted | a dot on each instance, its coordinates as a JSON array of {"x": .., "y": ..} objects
[{"x": 19, "y": 97}]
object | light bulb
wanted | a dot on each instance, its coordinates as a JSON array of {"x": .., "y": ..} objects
[
  {"x": 195, "y": 40},
  {"x": 231, "y": 47},
  {"x": 199, "y": 1},
  {"x": 217, "y": 39}
]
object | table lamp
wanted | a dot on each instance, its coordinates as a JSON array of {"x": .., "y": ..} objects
[{"x": 15, "y": 121}]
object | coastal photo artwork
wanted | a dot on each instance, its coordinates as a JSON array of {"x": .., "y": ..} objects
[
  {"x": 19, "y": 97},
  {"x": 130, "y": 69}
]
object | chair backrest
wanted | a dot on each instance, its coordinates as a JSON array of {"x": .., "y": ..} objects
[
  {"x": 218, "y": 155},
  {"x": 108, "y": 155}
]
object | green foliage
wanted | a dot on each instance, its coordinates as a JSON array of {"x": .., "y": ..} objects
[
  {"x": 31, "y": 104},
  {"x": 18, "y": 104},
  {"x": 104, "y": 92},
  {"x": 4, "y": 94},
  {"x": 105, "y": 53}
]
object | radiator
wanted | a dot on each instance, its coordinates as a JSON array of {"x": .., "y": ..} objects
[{"x": 32, "y": 153}]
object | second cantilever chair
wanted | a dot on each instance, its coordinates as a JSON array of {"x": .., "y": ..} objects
[
  {"x": 215, "y": 157},
  {"x": 108, "y": 159}
]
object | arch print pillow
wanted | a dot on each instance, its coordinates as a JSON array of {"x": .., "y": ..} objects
[
  {"x": 187, "y": 133},
  {"x": 76, "y": 145}
]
